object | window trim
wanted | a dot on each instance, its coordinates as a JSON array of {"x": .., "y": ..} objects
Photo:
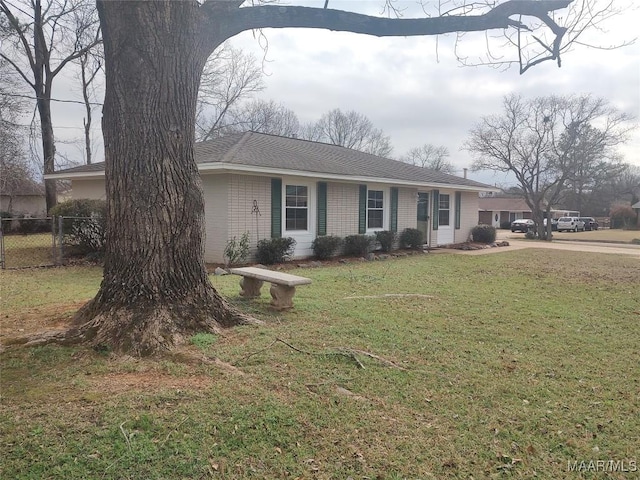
[
  {"x": 286, "y": 184},
  {"x": 385, "y": 208},
  {"x": 448, "y": 210}
]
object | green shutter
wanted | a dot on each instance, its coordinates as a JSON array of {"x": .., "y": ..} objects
[
  {"x": 394, "y": 210},
  {"x": 362, "y": 212},
  {"x": 436, "y": 208},
  {"x": 322, "y": 208},
  {"x": 276, "y": 208},
  {"x": 458, "y": 204}
]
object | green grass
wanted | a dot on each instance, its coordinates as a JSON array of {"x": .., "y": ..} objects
[
  {"x": 513, "y": 364},
  {"x": 25, "y": 289},
  {"x": 603, "y": 235}
]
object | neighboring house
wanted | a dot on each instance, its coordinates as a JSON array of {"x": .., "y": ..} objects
[
  {"x": 273, "y": 186},
  {"x": 497, "y": 210},
  {"x": 29, "y": 200}
]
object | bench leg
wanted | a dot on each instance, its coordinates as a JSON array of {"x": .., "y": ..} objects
[
  {"x": 282, "y": 296},
  {"x": 250, "y": 287}
]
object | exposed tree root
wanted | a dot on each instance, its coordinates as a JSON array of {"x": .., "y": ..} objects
[
  {"x": 197, "y": 358},
  {"x": 139, "y": 331}
]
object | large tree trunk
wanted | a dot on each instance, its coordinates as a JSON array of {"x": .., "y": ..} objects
[{"x": 155, "y": 290}]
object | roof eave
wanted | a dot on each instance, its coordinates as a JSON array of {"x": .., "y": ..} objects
[
  {"x": 74, "y": 175},
  {"x": 248, "y": 169},
  {"x": 220, "y": 167}
]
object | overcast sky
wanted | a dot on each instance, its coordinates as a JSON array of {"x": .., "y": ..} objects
[{"x": 417, "y": 93}]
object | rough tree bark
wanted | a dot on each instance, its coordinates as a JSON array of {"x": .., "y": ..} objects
[{"x": 155, "y": 290}]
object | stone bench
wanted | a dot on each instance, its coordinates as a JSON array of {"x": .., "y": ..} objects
[{"x": 283, "y": 285}]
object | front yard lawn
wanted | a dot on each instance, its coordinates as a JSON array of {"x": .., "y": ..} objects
[{"x": 505, "y": 365}]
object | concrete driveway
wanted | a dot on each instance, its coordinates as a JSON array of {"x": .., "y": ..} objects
[{"x": 518, "y": 242}]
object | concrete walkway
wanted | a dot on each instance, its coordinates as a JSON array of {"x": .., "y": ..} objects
[{"x": 518, "y": 242}]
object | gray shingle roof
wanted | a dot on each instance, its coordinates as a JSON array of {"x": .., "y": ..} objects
[
  {"x": 259, "y": 150},
  {"x": 503, "y": 204}
]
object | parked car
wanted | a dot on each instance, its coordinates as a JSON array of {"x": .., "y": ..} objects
[
  {"x": 570, "y": 224},
  {"x": 590, "y": 223},
  {"x": 522, "y": 225}
]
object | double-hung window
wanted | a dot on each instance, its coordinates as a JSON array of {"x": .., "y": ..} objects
[
  {"x": 297, "y": 208},
  {"x": 444, "y": 210},
  {"x": 375, "y": 209}
]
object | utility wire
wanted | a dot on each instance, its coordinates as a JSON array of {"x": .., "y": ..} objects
[{"x": 52, "y": 99}]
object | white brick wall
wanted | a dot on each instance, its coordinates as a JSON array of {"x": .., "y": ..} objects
[
  {"x": 216, "y": 191},
  {"x": 229, "y": 202},
  {"x": 407, "y": 208},
  {"x": 468, "y": 216},
  {"x": 342, "y": 209},
  {"x": 93, "y": 189}
]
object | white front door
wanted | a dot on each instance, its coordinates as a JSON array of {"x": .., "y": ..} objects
[
  {"x": 445, "y": 219},
  {"x": 299, "y": 214}
]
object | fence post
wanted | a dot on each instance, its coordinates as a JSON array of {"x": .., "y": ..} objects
[
  {"x": 1, "y": 246},
  {"x": 60, "y": 221},
  {"x": 54, "y": 256}
]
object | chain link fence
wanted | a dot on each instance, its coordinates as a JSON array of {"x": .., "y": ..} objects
[{"x": 40, "y": 242}]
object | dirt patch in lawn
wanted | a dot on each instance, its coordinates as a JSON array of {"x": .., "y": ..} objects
[
  {"x": 38, "y": 319},
  {"x": 118, "y": 383}
]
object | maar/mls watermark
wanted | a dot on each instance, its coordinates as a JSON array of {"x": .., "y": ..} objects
[{"x": 609, "y": 466}]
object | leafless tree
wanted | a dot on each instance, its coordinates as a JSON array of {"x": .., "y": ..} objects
[
  {"x": 351, "y": 130},
  {"x": 155, "y": 291},
  {"x": 430, "y": 156},
  {"x": 229, "y": 76},
  {"x": 544, "y": 141},
  {"x": 620, "y": 184},
  {"x": 42, "y": 39},
  {"x": 15, "y": 174},
  {"x": 91, "y": 63},
  {"x": 545, "y": 38},
  {"x": 264, "y": 117}
]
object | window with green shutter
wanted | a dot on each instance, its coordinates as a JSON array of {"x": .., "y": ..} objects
[
  {"x": 362, "y": 210},
  {"x": 394, "y": 210}
]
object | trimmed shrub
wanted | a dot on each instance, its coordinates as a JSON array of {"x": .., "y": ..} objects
[
  {"x": 274, "y": 250},
  {"x": 325, "y": 246},
  {"x": 386, "y": 238},
  {"x": 85, "y": 232},
  {"x": 483, "y": 233},
  {"x": 411, "y": 238},
  {"x": 357, "y": 245},
  {"x": 506, "y": 225},
  {"x": 236, "y": 251}
]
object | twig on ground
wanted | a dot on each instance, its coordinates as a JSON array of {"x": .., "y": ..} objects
[
  {"x": 390, "y": 295},
  {"x": 350, "y": 353},
  {"x": 125, "y": 435},
  {"x": 372, "y": 355},
  {"x": 174, "y": 430}
]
